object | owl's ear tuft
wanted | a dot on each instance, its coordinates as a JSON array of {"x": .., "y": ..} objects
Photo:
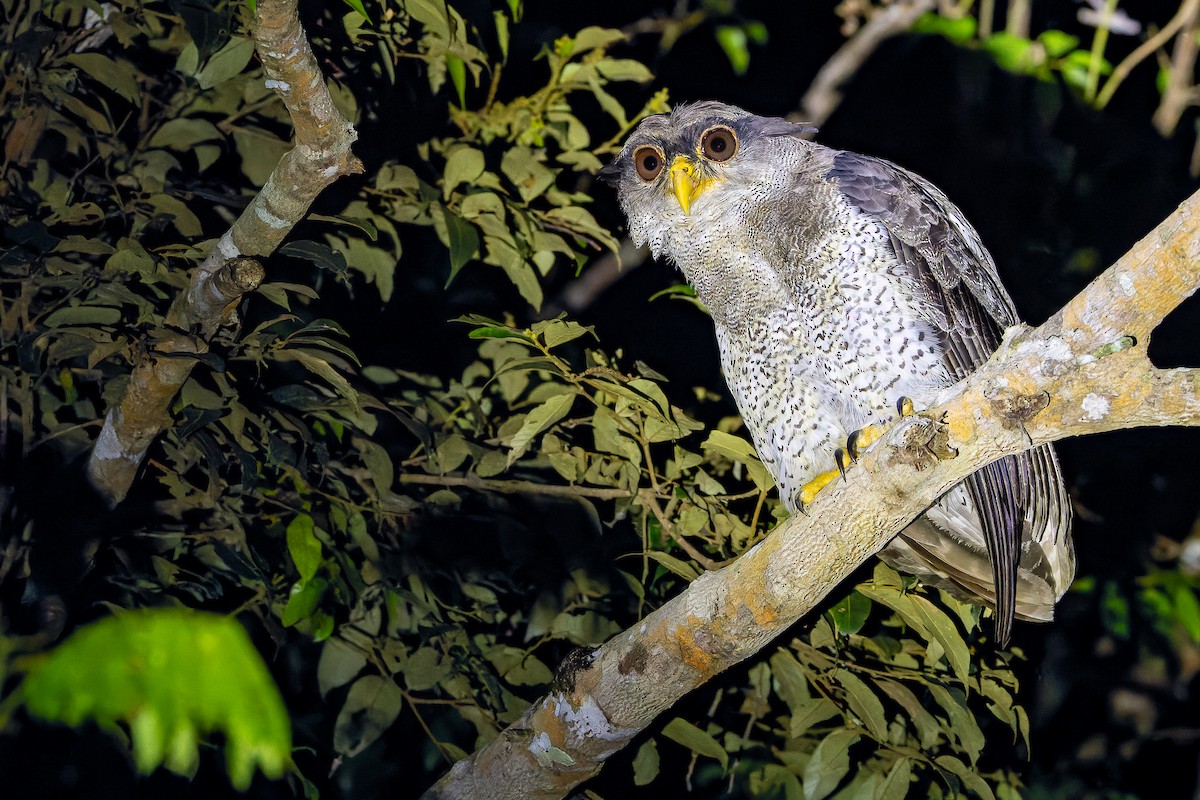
[
  {"x": 611, "y": 173},
  {"x": 776, "y": 126}
]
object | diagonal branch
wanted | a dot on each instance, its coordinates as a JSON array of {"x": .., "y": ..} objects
[
  {"x": 1084, "y": 371},
  {"x": 321, "y": 155},
  {"x": 824, "y": 94}
]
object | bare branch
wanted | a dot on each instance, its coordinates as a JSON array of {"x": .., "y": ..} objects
[
  {"x": 1147, "y": 48},
  {"x": 824, "y": 94},
  {"x": 321, "y": 155},
  {"x": 1177, "y": 93},
  {"x": 1084, "y": 371}
]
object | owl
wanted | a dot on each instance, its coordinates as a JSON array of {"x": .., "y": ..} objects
[{"x": 840, "y": 284}]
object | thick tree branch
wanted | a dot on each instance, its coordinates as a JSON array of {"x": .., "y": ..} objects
[
  {"x": 1084, "y": 371},
  {"x": 321, "y": 155}
]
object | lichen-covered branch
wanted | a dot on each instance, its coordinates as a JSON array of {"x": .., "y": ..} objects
[
  {"x": 321, "y": 155},
  {"x": 1084, "y": 371}
]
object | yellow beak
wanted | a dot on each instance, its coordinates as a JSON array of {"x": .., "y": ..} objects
[{"x": 686, "y": 183}]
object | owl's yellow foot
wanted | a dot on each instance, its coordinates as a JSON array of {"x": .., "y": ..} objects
[
  {"x": 856, "y": 444},
  {"x": 808, "y": 492},
  {"x": 864, "y": 437}
]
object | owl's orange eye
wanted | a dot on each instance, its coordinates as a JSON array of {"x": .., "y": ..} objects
[
  {"x": 648, "y": 160},
  {"x": 718, "y": 143}
]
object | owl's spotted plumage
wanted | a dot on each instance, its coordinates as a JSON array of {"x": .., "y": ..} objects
[{"x": 839, "y": 283}]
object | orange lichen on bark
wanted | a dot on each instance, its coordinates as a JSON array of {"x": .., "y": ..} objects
[{"x": 690, "y": 650}]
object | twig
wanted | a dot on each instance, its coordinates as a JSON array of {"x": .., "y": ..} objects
[
  {"x": 651, "y": 501},
  {"x": 825, "y": 92},
  {"x": 1099, "y": 43},
  {"x": 513, "y": 487},
  {"x": 1179, "y": 82},
  {"x": 1145, "y": 50}
]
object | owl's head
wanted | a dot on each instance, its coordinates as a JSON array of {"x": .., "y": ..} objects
[{"x": 679, "y": 173}]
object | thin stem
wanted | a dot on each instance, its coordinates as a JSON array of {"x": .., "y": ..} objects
[
  {"x": 1144, "y": 51},
  {"x": 650, "y": 501},
  {"x": 514, "y": 487},
  {"x": 987, "y": 10},
  {"x": 1099, "y": 42}
]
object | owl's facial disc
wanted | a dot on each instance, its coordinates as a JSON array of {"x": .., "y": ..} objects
[{"x": 689, "y": 181}]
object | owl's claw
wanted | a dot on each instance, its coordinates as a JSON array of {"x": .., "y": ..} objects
[
  {"x": 856, "y": 444},
  {"x": 808, "y": 492},
  {"x": 858, "y": 441}
]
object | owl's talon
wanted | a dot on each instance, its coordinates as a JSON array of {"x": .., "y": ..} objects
[
  {"x": 842, "y": 459},
  {"x": 858, "y": 441}
]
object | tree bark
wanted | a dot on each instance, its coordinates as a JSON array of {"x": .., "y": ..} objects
[
  {"x": 1084, "y": 371},
  {"x": 321, "y": 155}
]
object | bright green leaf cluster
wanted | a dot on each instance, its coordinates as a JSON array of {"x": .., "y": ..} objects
[{"x": 174, "y": 677}]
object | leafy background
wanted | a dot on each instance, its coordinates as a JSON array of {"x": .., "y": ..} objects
[{"x": 418, "y": 487}]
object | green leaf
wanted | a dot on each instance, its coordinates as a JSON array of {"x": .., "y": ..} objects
[
  {"x": 959, "y": 30},
  {"x": 120, "y": 76},
  {"x": 624, "y": 69},
  {"x": 1057, "y": 43},
  {"x": 316, "y": 253},
  {"x": 302, "y": 601},
  {"x": 227, "y": 62},
  {"x": 463, "y": 242},
  {"x": 645, "y": 763},
  {"x": 500, "y": 20},
  {"x": 970, "y": 778},
  {"x": 560, "y": 331},
  {"x": 1013, "y": 53},
  {"x": 895, "y": 785},
  {"x": 775, "y": 781},
  {"x": 928, "y": 621},
  {"x": 863, "y": 702},
  {"x": 304, "y": 546},
  {"x": 372, "y": 705},
  {"x": 808, "y": 713},
  {"x": 173, "y": 676},
  {"x": 696, "y": 740},
  {"x": 732, "y": 40},
  {"x": 1187, "y": 611},
  {"x": 593, "y": 37},
  {"x": 457, "y": 69},
  {"x": 830, "y": 763},
  {"x": 962, "y": 721},
  {"x": 357, "y": 5},
  {"x": 791, "y": 682},
  {"x": 851, "y": 613},
  {"x": 498, "y": 333},
  {"x": 175, "y": 210},
  {"x": 184, "y": 133},
  {"x": 83, "y": 315},
  {"x": 670, "y": 562},
  {"x": 1114, "y": 611},
  {"x": 537, "y": 421},
  {"x": 424, "y": 670},
  {"x": 340, "y": 662},
  {"x": 928, "y": 728},
  {"x": 464, "y": 165}
]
